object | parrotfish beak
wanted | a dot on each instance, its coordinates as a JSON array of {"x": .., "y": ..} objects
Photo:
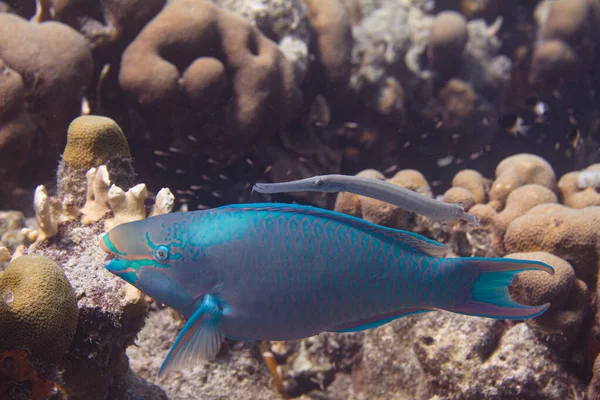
[{"x": 113, "y": 261}]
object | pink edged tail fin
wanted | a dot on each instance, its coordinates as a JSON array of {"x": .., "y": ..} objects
[{"x": 489, "y": 294}]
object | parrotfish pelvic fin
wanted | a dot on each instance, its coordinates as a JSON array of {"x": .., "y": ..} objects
[{"x": 200, "y": 338}]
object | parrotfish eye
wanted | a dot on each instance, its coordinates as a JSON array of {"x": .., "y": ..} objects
[{"x": 161, "y": 253}]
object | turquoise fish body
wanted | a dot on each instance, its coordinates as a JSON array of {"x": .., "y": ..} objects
[{"x": 283, "y": 272}]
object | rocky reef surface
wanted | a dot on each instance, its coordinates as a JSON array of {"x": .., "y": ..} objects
[{"x": 150, "y": 106}]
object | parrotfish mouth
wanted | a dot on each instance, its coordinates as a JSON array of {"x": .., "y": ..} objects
[
  {"x": 110, "y": 257},
  {"x": 110, "y": 254}
]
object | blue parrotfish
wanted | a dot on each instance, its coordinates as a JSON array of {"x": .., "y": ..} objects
[{"x": 282, "y": 272}]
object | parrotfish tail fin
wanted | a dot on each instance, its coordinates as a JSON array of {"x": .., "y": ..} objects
[
  {"x": 200, "y": 339},
  {"x": 489, "y": 294}
]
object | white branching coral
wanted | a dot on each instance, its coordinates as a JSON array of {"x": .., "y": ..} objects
[
  {"x": 47, "y": 224},
  {"x": 102, "y": 198},
  {"x": 98, "y": 185},
  {"x": 164, "y": 202},
  {"x": 127, "y": 206}
]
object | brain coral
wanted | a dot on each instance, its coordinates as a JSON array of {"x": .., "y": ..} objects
[
  {"x": 197, "y": 61},
  {"x": 93, "y": 139},
  {"x": 38, "y": 309},
  {"x": 519, "y": 170},
  {"x": 574, "y": 194},
  {"x": 567, "y": 295},
  {"x": 571, "y": 234}
]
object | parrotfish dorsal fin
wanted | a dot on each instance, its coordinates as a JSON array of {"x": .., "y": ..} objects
[{"x": 417, "y": 242}]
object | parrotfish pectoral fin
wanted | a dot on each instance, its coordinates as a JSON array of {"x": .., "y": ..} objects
[
  {"x": 489, "y": 294},
  {"x": 376, "y": 321},
  {"x": 200, "y": 338}
]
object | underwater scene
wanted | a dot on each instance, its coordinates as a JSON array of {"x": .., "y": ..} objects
[{"x": 299, "y": 199}]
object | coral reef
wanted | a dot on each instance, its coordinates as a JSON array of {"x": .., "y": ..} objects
[
  {"x": 284, "y": 22},
  {"x": 39, "y": 311},
  {"x": 216, "y": 64},
  {"x": 439, "y": 355},
  {"x": 446, "y": 43},
  {"x": 568, "y": 296},
  {"x": 574, "y": 194},
  {"x": 570, "y": 234},
  {"x": 518, "y": 170},
  {"x": 49, "y": 89},
  {"x": 333, "y": 40},
  {"x": 403, "y": 42},
  {"x": 112, "y": 23},
  {"x": 92, "y": 141},
  {"x": 214, "y": 95},
  {"x": 16, "y": 128},
  {"x": 567, "y": 36}
]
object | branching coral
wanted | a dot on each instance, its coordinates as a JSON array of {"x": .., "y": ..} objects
[{"x": 103, "y": 197}]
